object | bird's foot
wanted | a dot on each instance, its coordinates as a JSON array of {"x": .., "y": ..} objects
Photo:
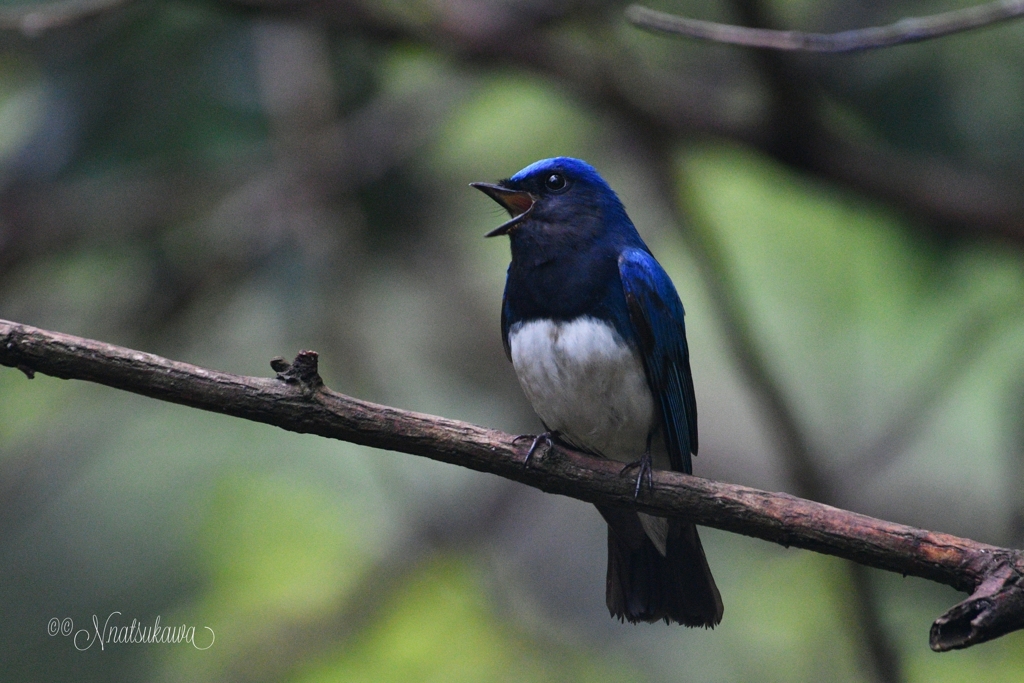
[
  {"x": 547, "y": 439},
  {"x": 646, "y": 471}
]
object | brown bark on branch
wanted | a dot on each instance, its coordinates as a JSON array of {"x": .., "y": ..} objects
[{"x": 296, "y": 400}]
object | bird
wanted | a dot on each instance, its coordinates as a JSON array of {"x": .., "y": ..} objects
[{"x": 594, "y": 329}]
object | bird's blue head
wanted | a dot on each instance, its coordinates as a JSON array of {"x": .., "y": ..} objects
[{"x": 557, "y": 195}]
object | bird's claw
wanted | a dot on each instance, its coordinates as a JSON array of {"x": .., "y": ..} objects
[
  {"x": 644, "y": 465},
  {"x": 545, "y": 438}
]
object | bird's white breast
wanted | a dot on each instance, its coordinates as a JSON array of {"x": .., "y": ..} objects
[{"x": 586, "y": 383}]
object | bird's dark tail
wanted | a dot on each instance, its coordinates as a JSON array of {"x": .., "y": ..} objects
[{"x": 644, "y": 585}]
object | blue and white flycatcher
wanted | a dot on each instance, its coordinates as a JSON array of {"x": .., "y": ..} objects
[{"x": 594, "y": 329}]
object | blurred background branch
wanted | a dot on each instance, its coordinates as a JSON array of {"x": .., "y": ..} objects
[
  {"x": 908, "y": 30},
  {"x": 35, "y": 19}
]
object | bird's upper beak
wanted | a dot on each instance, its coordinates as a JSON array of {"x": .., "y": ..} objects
[{"x": 518, "y": 204}]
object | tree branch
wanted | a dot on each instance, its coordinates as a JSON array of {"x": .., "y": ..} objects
[
  {"x": 296, "y": 400},
  {"x": 909, "y": 30}
]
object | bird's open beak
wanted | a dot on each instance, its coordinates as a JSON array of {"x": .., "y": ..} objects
[{"x": 518, "y": 204}]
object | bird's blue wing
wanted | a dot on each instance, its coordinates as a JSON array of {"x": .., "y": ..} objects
[{"x": 656, "y": 315}]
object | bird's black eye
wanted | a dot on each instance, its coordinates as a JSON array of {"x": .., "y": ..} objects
[{"x": 555, "y": 182}]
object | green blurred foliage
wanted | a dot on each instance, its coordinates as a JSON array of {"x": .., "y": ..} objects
[
  {"x": 869, "y": 312},
  {"x": 439, "y": 627}
]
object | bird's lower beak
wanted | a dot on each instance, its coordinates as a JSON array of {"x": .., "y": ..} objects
[{"x": 518, "y": 204}]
